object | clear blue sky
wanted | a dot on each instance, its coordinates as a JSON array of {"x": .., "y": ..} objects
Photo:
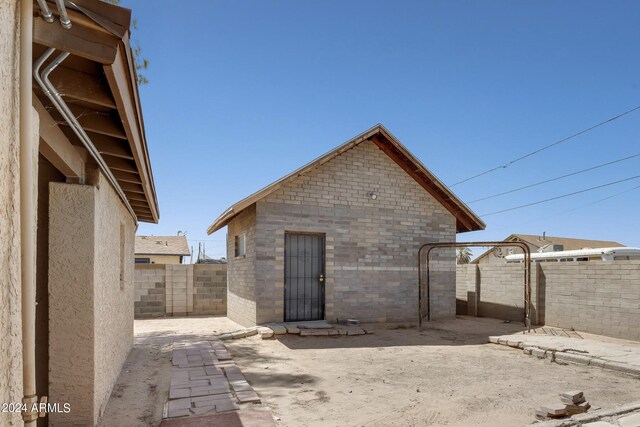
[{"x": 242, "y": 92}]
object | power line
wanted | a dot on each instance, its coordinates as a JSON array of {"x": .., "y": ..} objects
[
  {"x": 585, "y": 205},
  {"x": 562, "y": 196},
  {"x": 556, "y": 178},
  {"x": 509, "y": 163}
]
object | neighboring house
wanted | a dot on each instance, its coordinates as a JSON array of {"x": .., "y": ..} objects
[
  {"x": 161, "y": 249},
  {"x": 339, "y": 238},
  {"x": 541, "y": 243},
  {"x": 68, "y": 213}
]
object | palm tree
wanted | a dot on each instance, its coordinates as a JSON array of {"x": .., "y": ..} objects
[{"x": 463, "y": 255}]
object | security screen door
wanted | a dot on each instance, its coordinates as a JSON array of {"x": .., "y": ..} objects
[{"x": 303, "y": 276}]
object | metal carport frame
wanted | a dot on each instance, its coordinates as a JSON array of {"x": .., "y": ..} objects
[{"x": 431, "y": 246}]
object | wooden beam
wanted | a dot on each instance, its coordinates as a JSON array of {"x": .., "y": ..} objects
[
  {"x": 55, "y": 145},
  {"x": 81, "y": 86},
  {"x": 96, "y": 121},
  {"x": 128, "y": 187},
  {"x": 121, "y": 176},
  {"x": 84, "y": 38},
  {"x": 116, "y": 163},
  {"x": 136, "y": 196},
  {"x": 110, "y": 146}
]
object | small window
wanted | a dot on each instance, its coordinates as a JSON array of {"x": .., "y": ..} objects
[
  {"x": 143, "y": 260},
  {"x": 241, "y": 244}
]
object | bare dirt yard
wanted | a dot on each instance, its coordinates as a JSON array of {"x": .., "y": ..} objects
[{"x": 446, "y": 375}]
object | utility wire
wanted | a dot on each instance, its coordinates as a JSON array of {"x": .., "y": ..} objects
[
  {"x": 585, "y": 205},
  {"x": 509, "y": 163},
  {"x": 556, "y": 178},
  {"x": 562, "y": 196}
]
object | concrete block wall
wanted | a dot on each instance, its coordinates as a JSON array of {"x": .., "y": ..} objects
[
  {"x": 150, "y": 291},
  {"x": 596, "y": 297},
  {"x": 180, "y": 290},
  {"x": 209, "y": 289},
  {"x": 241, "y": 283},
  {"x": 371, "y": 245}
]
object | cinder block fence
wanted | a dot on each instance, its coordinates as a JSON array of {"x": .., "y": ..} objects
[
  {"x": 180, "y": 290},
  {"x": 596, "y": 297}
]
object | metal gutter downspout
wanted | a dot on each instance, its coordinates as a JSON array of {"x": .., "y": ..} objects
[
  {"x": 56, "y": 98},
  {"x": 28, "y": 170}
]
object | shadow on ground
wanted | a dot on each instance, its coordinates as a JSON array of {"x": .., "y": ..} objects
[{"x": 463, "y": 330}]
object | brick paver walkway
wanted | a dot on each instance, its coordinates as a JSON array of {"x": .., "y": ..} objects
[{"x": 204, "y": 379}]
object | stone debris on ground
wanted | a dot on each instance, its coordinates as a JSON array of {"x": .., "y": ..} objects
[
  {"x": 312, "y": 328},
  {"x": 204, "y": 379},
  {"x": 571, "y": 403}
]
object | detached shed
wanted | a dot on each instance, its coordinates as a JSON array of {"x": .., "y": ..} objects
[{"x": 338, "y": 238}]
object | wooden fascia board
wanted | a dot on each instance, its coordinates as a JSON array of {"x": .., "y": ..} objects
[
  {"x": 84, "y": 38},
  {"x": 118, "y": 81},
  {"x": 56, "y": 147}
]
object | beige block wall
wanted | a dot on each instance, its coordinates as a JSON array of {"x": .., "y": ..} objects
[
  {"x": 90, "y": 307},
  {"x": 499, "y": 290},
  {"x": 10, "y": 294},
  {"x": 371, "y": 245},
  {"x": 189, "y": 289},
  {"x": 596, "y": 297},
  {"x": 241, "y": 274}
]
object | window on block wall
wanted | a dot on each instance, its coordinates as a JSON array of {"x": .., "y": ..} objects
[{"x": 241, "y": 245}]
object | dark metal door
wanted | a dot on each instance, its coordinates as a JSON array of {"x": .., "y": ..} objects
[{"x": 303, "y": 277}]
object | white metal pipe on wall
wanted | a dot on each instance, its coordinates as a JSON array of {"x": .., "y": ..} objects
[{"x": 28, "y": 171}]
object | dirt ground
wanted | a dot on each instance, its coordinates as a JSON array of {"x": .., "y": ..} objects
[
  {"x": 142, "y": 388},
  {"x": 445, "y": 375}
]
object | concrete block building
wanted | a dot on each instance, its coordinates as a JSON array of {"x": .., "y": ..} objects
[
  {"x": 75, "y": 181},
  {"x": 339, "y": 237}
]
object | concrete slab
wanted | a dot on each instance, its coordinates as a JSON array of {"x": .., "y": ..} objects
[{"x": 618, "y": 355}]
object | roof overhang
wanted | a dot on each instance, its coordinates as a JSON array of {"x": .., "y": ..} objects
[
  {"x": 98, "y": 82},
  {"x": 466, "y": 219}
]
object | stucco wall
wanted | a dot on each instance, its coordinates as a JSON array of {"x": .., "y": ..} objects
[
  {"x": 241, "y": 274},
  {"x": 371, "y": 245},
  {"x": 162, "y": 259},
  {"x": 90, "y": 307},
  {"x": 10, "y": 295},
  {"x": 113, "y": 297}
]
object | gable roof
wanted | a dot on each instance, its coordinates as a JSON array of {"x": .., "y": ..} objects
[
  {"x": 162, "y": 245},
  {"x": 569, "y": 244},
  {"x": 466, "y": 219}
]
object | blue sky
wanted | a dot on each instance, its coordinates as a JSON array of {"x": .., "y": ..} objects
[{"x": 242, "y": 92}]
